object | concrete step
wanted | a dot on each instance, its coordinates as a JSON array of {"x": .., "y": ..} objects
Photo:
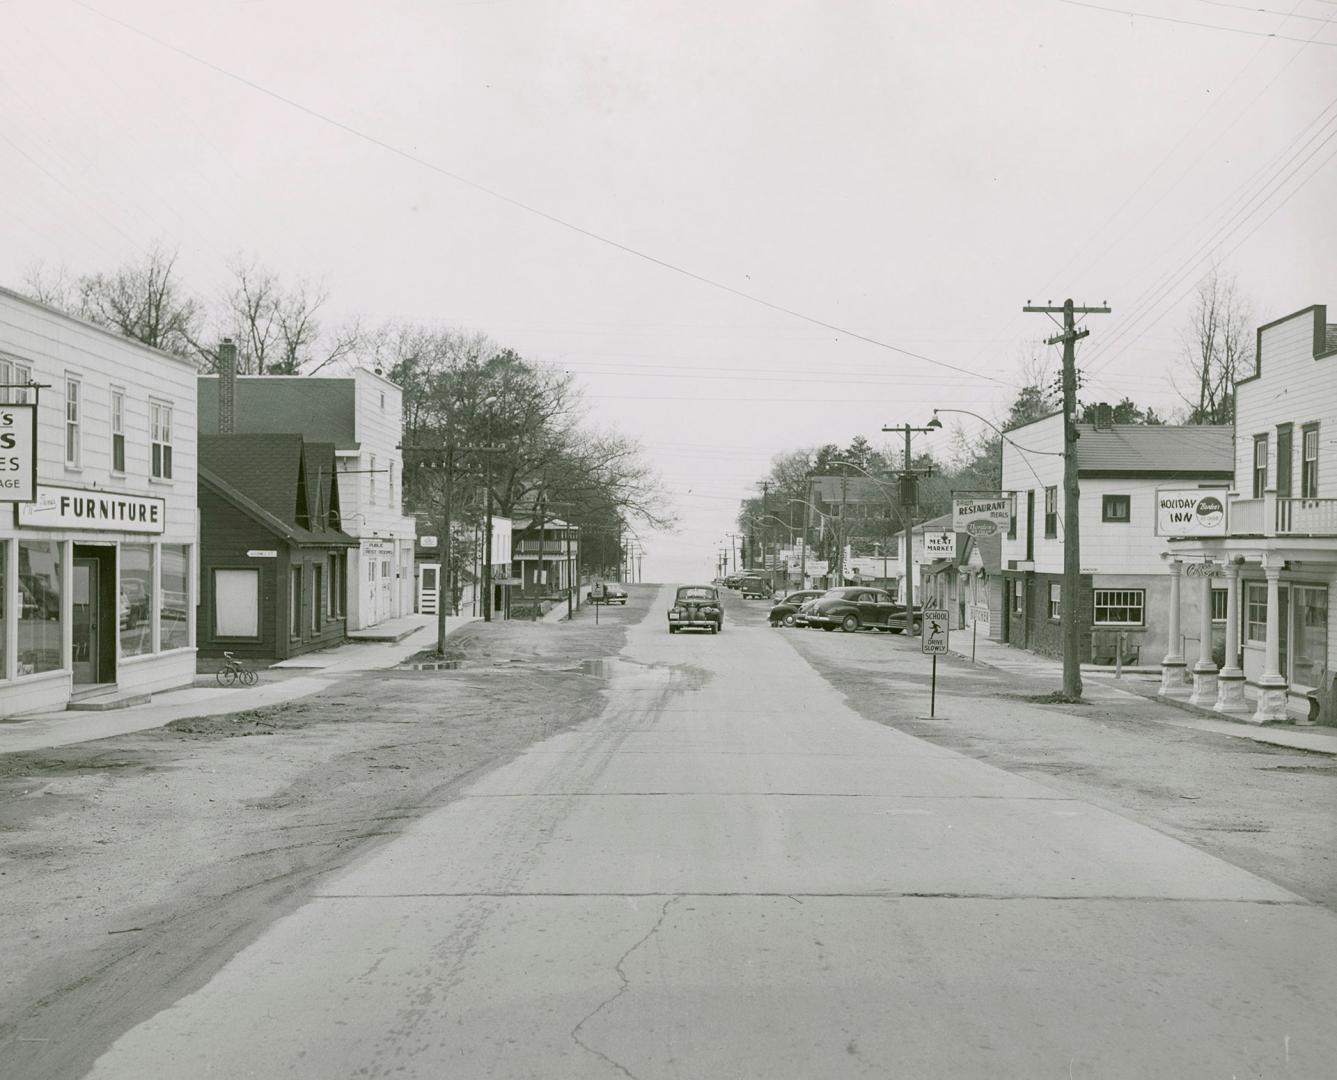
[{"x": 107, "y": 701}]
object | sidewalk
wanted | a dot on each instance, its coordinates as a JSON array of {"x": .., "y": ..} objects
[
  {"x": 1178, "y": 712},
  {"x": 41, "y": 731}
]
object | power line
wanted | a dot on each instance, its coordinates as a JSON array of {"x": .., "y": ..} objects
[
  {"x": 1264, "y": 11},
  {"x": 526, "y": 207},
  {"x": 1186, "y": 22}
]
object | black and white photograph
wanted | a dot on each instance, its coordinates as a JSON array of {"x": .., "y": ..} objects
[{"x": 668, "y": 540}]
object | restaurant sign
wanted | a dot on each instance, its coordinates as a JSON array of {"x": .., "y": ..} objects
[
  {"x": 1190, "y": 512},
  {"x": 81, "y": 508},
  {"x": 981, "y": 516}
]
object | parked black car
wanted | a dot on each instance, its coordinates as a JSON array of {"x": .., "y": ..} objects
[
  {"x": 858, "y": 608},
  {"x": 785, "y": 611},
  {"x": 696, "y": 607}
]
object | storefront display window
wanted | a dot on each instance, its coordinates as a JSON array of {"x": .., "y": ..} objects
[
  {"x": 174, "y": 631},
  {"x": 40, "y": 630},
  {"x": 1310, "y": 648},
  {"x": 136, "y": 599}
]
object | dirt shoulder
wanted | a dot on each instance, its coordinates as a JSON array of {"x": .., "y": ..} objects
[
  {"x": 1263, "y": 808},
  {"x": 133, "y": 867}
]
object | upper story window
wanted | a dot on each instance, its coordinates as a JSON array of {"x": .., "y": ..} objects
[
  {"x": 1051, "y": 512},
  {"x": 1259, "y": 465},
  {"x": 1116, "y": 508},
  {"x": 117, "y": 429},
  {"x": 13, "y": 371},
  {"x": 160, "y": 440},
  {"x": 74, "y": 406},
  {"x": 1309, "y": 462}
]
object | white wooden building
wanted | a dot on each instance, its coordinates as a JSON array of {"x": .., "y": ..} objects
[
  {"x": 99, "y": 572},
  {"x": 1278, "y": 556},
  {"x": 1125, "y": 581},
  {"x": 362, "y": 414}
]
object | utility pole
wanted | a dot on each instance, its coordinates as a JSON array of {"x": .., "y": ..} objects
[
  {"x": 909, "y": 499},
  {"x": 1072, "y": 552}
]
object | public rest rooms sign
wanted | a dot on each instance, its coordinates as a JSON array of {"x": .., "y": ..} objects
[{"x": 104, "y": 511}]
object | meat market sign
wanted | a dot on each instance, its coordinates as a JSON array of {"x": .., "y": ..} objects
[
  {"x": 1190, "y": 512},
  {"x": 981, "y": 516},
  {"x": 104, "y": 511}
]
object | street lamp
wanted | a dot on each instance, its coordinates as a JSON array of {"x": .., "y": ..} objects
[
  {"x": 488, "y": 403},
  {"x": 803, "y": 555}
]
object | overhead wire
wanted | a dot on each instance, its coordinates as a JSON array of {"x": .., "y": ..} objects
[
  {"x": 528, "y": 208},
  {"x": 1190, "y": 22}
]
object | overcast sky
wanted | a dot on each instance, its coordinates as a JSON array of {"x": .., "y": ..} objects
[{"x": 912, "y": 173}]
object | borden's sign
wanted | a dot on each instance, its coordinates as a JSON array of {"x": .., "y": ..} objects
[
  {"x": 1190, "y": 512},
  {"x": 981, "y": 517}
]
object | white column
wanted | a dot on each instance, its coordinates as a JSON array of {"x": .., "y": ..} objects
[
  {"x": 1230, "y": 679},
  {"x": 1272, "y": 684},
  {"x": 1173, "y": 664},
  {"x": 1204, "y": 671}
]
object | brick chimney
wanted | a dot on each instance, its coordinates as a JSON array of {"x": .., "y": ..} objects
[{"x": 227, "y": 386}]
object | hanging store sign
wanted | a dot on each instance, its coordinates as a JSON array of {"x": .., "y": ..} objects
[
  {"x": 104, "y": 511},
  {"x": 940, "y": 544},
  {"x": 981, "y": 516},
  {"x": 18, "y": 453},
  {"x": 1190, "y": 512}
]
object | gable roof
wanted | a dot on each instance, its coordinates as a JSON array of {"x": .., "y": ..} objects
[
  {"x": 323, "y": 410},
  {"x": 266, "y": 476},
  {"x": 1157, "y": 449}
]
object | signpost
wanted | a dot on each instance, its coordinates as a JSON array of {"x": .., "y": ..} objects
[
  {"x": 598, "y": 593},
  {"x": 976, "y": 613},
  {"x": 932, "y": 641}
]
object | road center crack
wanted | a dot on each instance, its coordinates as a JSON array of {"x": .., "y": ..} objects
[{"x": 622, "y": 989}]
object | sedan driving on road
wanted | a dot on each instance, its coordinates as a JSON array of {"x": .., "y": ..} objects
[
  {"x": 696, "y": 607},
  {"x": 857, "y": 608}
]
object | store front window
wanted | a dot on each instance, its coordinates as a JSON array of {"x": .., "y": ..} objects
[
  {"x": 174, "y": 631},
  {"x": 136, "y": 599},
  {"x": 40, "y": 630}
]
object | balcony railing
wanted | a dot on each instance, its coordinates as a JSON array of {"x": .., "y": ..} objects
[
  {"x": 1246, "y": 516},
  {"x": 545, "y": 547},
  {"x": 1315, "y": 517},
  {"x": 1271, "y": 516}
]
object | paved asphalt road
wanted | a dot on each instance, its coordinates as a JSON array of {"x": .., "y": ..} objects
[{"x": 730, "y": 874}]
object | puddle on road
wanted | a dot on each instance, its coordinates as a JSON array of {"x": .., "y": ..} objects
[{"x": 635, "y": 675}]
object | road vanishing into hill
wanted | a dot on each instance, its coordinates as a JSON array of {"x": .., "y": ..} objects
[{"x": 732, "y": 871}]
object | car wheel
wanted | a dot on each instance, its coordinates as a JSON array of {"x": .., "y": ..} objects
[
  {"x": 714, "y": 628},
  {"x": 849, "y": 623},
  {"x": 788, "y": 620},
  {"x": 673, "y": 629},
  {"x": 828, "y": 629}
]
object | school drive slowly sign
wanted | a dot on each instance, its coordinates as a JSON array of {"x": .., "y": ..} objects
[{"x": 1190, "y": 512}]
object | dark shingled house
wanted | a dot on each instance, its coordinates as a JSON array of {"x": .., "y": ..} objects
[{"x": 273, "y": 556}]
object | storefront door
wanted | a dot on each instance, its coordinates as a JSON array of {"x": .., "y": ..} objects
[
  {"x": 94, "y": 623},
  {"x": 85, "y": 654}
]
